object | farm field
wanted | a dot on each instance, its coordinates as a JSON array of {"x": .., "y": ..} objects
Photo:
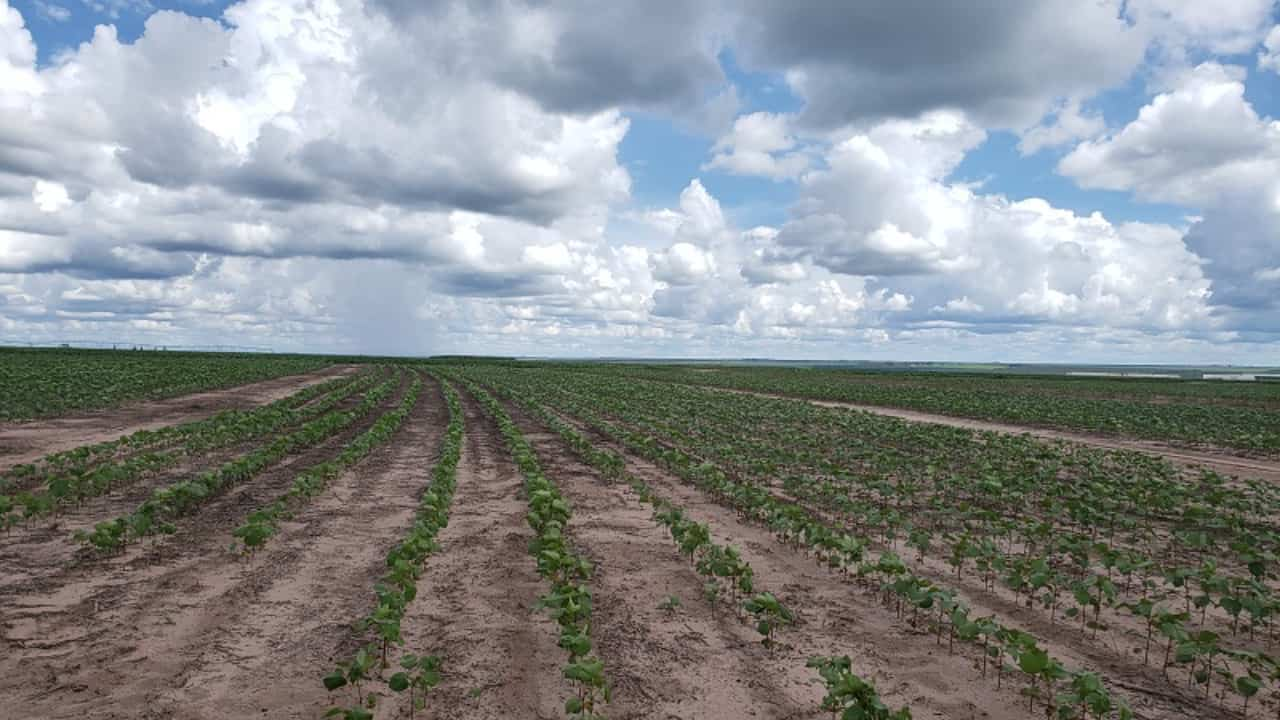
[
  {"x": 474, "y": 539},
  {"x": 1238, "y": 416},
  {"x": 44, "y": 382}
]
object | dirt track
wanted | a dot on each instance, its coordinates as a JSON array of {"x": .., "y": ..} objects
[{"x": 24, "y": 442}]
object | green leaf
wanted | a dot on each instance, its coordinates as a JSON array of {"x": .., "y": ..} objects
[
  {"x": 1247, "y": 685},
  {"x": 399, "y": 682},
  {"x": 334, "y": 680},
  {"x": 1033, "y": 662}
]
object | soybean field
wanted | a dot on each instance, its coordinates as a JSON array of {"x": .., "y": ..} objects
[{"x": 204, "y": 536}]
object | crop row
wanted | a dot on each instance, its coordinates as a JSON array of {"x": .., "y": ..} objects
[
  {"x": 1044, "y": 558},
  {"x": 78, "y": 460},
  {"x": 1043, "y": 574},
  {"x": 156, "y": 514},
  {"x": 90, "y": 471},
  {"x": 726, "y": 572},
  {"x": 261, "y": 525},
  {"x": 1123, "y": 511},
  {"x": 569, "y": 602},
  {"x": 398, "y": 588},
  {"x": 1047, "y": 678}
]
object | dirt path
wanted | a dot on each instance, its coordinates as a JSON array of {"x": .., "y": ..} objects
[
  {"x": 1219, "y": 461},
  {"x": 695, "y": 662},
  {"x": 24, "y": 442},
  {"x": 475, "y": 605},
  {"x": 905, "y": 662},
  {"x": 114, "y": 638}
]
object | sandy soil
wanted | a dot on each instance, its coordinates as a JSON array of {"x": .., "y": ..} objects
[
  {"x": 1220, "y": 461},
  {"x": 24, "y": 442},
  {"x": 123, "y": 637},
  {"x": 696, "y": 662},
  {"x": 476, "y": 598},
  {"x": 905, "y": 662},
  {"x": 184, "y": 628}
]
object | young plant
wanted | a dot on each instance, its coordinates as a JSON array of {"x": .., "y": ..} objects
[
  {"x": 849, "y": 697},
  {"x": 419, "y": 676},
  {"x": 770, "y": 614},
  {"x": 352, "y": 673}
]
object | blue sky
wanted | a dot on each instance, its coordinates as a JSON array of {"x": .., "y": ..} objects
[{"x": 840, "y": 181}]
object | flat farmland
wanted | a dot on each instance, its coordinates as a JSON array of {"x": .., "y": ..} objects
[{"x": 488, "y": 539}]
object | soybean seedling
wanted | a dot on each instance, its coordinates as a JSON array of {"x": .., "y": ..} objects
[
  {"x": 419, "y": 676},
  {"x": 770, "y": 614},
  {"x": 351, "y": 673}
]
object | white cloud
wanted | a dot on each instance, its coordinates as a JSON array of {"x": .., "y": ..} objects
[
  {"x": 1223, "y": 26},
  {"x": 1202, "y": 144},
  {"x": 1269, "y": 56},
  {"x": 759, "y": 144},
  {"x": 50, "y": 197},
  {"x": 683, "y": 264},
  {"x": 960, "y": 305},
  {"x": 1070, "y": 123},
  {"x": 52, "y": 11},
  {"x": 884, "y": 209},
  {"x": 1194, "y": 144}
]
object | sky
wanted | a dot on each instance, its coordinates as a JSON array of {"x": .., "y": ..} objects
[{"x": 1050, "y": 181}]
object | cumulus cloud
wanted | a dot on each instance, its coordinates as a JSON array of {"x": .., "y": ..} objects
[
  {"x": 1193, "y": 145},
  {"x": 884, "y": 210},
  {"x": 1202, "y": 144},
  {"x": 288, "y": 131},
  {"x": 759, "y": 144},
  {"x": 1225, "y": 27}
]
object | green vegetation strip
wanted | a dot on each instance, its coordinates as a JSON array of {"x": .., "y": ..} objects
[
  {"x": 399, "y": 587},
  {"x": 725, "y": 572},
  {"x": 82, "y": 473},
  {"x": 1044, "y": 523},
  {"x": 1244, "y": 416},
  {"x": 262, "y": 524},
  {"x": 1061, "y": 689},
  {"x": 569, "y": 601},
  {"x": 40, "y": 383},
  {"x": 156, "y": 514}
]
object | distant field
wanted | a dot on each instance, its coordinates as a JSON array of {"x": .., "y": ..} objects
[
  {"x": 1237, "y": 415},
  {"x": 42, "y": 382}
]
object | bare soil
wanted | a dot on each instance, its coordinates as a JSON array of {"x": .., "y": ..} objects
[
  {"x": 28, "y": 441},
  {"x": 476, "y": 598},
  {"x": 694, "y": 662},
  {"x": 153, "y": 632}
]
